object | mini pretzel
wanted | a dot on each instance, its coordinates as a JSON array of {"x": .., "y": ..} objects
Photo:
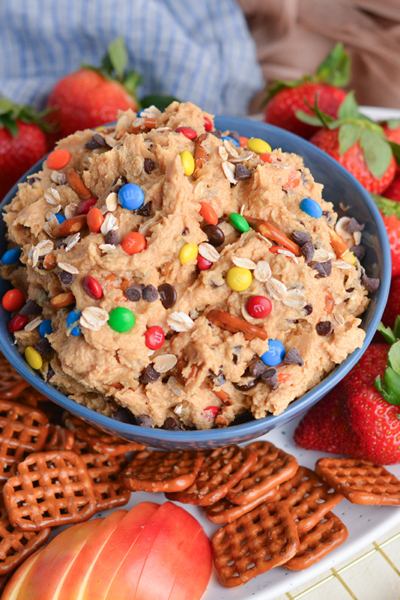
[
  {"x": 229, "y": 322},
  {"x": 15, "y": 545},
  {"x": 262, "y": 539},
  {"x": 49, "y": 489},
  {"x": 152, "y": 471},
  {"x": 200, "y": 154},
  {"x": 273, "y": 467},
  {"x": 327, "y": 535},
  {"x": 98, "y": 440},
  {"x": 273, "y": 233},
  {"x": 224, "y": 511},
  {"x": 23, "y": 431},
  {"x": 104, "y": 471},
  {"x": 307, "y": 497},
  {"x": 360, "y": 481},
  {"x": 221, "y": 470},
  {"x": 59, "y": 438}
]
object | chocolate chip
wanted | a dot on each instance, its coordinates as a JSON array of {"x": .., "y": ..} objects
[
  {"x": 124, "y": 415},
  {"x": 256, "y": 369},
  {"x": 236, "y": 352},
  {"x": 33, "y": 178},
  {"x": 43, "y": 346},
  {"x": 270, "y": 377},
  {"x": 293, "y": 358},
  {"x": 143, "y": 211},
  {"x": 358, "y": 251},
  {"x": 150, "y": 293},
  {"x": 308, "y": 251},
  {"x": 97, "y": 141},
  {"x": 60, "y": 244},
  {"x": 301, "y": 237},
  {"x": 371, "y": 285},
  {"x": 50, "y": 373},
  {"x": 217, "y": 379},
  {"x": 168, "y": 295},
  {"x": 112, "y": 237},
  {"x": 329, "y": 217},
  {"x": 217, "y": 133},
  {"x": 308, "y": 308},
  {"x": 246, "y": 386},
  {"x": 120, "y": 182},
  {"x": 324, "y": 269},
  {"x": 185, "y": 231},
  {"x": 171, "y": 424},
  {"x": 149, "y": 375},
  {"x": 242, "y": 172},
  {"x": 235, "y": 136},
  {"x": 149, "y": 165},
  {"x": 30, "y": 308},
  {"x": 324, "y": 328},
  {"x": 134, "y": 292},
  {"x": 353, "y": 225},
  {"x": 349, "y": 290},
  {"x": 144, "y": 421},
  {"x": 66, "y": 278},
  {"x": 216, "y": 236}
]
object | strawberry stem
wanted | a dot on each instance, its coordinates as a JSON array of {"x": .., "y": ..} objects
[
  {"x": 389, "y": 385},
  {"x": 11, "y": 112}
]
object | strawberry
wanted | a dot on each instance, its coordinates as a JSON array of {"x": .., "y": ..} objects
[
  {"x": 391, "y": 129},
  {"x": 91, "y": 97},
  {"x": 22, "y": 142},
  {"x": 392, "y": 308},
  {"x": 393, "y": 191},
  {"x": 325, "y": 427},
  {"x": 390, "y": 211},
  {"x": 287, "y": 97}
]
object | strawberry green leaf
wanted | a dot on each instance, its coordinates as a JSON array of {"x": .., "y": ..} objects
[
  {"x": 377, "y": 152},
  {"x": 393, "y": 123},
  {"x": 118, "y": 56},
  {"x": 388, "y": 207},
  {"x": 335, "y": 68},
  {"x": 9, "y": 124},
  {"x": 349, "y": 108},
  {"x": 306, "y": 118},
  {"x": 280, "y": 84},
  {"x": 349, "y": 134},
  {"x": 387, "y": 333},
  {"x": 396, "y": 329},
  {"x": 389, "y": 387},
  {"x": 160, "y": 101},
  {"x": 394, "y": 358},
  {"x": 396, "y": 150}
]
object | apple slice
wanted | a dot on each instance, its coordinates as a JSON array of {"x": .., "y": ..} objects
[
  {"x": 54, "y": 560},
  {"x": 74, "y": 583},
  {"x": 13, "y": 587},
  {"x": 195, "y": 572},
  {"x": 118, "y": 546}
]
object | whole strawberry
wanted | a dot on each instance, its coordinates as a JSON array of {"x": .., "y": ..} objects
[
  {"x": 91, "y": 97},
  {"x": 22, "y": 142},
  {"x": 393, "y": 191},
  {"x": 285, "y": 98},
  {"x": 391, "y": 128},
  {"x": 355, "y": 141},
  {"x": 392, "y": 308},
  {"x": 390, "y": 211}
]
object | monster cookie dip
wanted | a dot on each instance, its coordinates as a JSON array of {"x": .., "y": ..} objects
[{"x": 183, "y": 274}]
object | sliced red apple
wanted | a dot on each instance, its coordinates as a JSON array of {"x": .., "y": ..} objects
[{"x": 13, "y": 587}]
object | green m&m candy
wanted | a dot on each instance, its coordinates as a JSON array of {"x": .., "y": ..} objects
[
  {"x": 238, "y": 222},
  {"x": 121, "y": 319}
]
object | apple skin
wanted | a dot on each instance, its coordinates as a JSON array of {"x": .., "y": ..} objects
[{"x": 13, "y": 587}]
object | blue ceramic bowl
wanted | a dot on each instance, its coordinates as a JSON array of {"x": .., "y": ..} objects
[{"x": 339, "y": 186}]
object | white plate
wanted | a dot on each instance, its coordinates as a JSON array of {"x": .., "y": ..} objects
[{"x": 365, "y": 524}]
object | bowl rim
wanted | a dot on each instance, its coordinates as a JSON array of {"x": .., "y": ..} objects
[{"x": 254, "y": 427}]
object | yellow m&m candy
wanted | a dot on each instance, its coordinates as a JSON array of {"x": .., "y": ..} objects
[
  {"x": 188, "y": 253},
  {"x": 187, "y": 162},
  {"x": 33, "y": 358},
  {"x": 258, "y": 146},
  {"x": 239, "y": 279}
]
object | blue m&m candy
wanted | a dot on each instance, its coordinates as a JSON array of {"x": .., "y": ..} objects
[
  {"x": 311, "y": 208},
  {"x": 131, "y": 196},
  {"x": 45, "y": 328},
  {"x": 11, "y": 256},
  {"x": 60, "y": 218},
  {"x": 231, "y": 139},
  {"x": 275, "y": 353},
  {"x": 73, "y": 321}
]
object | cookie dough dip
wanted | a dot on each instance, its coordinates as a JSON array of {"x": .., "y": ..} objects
[{"x": 181, "y": 275}]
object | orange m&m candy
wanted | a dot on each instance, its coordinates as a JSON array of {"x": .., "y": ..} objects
[{"x": 58, "y": 159}]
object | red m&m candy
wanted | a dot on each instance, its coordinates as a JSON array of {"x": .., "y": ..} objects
[
  {"x": 207, "y": 124},
  {"x": 92, "y": 287},
  {"x": 154, "y": 337},
  {"x": 259, "y": 307},
  {"x": 86, "y": 205},
  {"x": 13, "y": 300},
  {"x": 203, "y": 263},
  {"x": 187, "y": 131},
  {"x": 17, "y": 323}
]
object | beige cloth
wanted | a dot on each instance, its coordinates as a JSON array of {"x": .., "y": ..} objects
[{"x": 293, "y": 36}]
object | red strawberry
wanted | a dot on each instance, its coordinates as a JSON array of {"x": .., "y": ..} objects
[
  {"x": 325, "y": 427},
  {"x": 392, "y": 308},
  {"x": 371, "y": 364},
  {"x": 285, "y": 98},
  {"x": 22, "y": 142},
  {"x": 392, "y": 130},
  {"x": 390, "y": 211},
  {"x": 92, "y": 97},
  {"x": 393, "y": 191}
]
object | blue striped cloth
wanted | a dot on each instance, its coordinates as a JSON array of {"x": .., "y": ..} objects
[{"x": 197, "y": 50}]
